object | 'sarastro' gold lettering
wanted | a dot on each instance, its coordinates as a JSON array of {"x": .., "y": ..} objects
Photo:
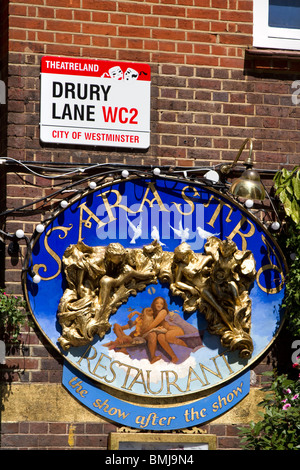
[
  {"x": 218, "y": 209},
  {"x": 187, "y": 200},
  {"x": 51, "y": 252},
  {"x": 239, "y": 225},
  {"x": 87, "y": 222},
  {"x": 271, "y": 266},
  {"x": 156, "y": 198},
  {"x": 237, "y": 231},
  {"x": 109, "y": 206},
  {"x": 118, "y": 202}
]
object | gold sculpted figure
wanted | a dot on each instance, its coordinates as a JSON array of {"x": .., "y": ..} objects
[{"x": 216, "y": 283}]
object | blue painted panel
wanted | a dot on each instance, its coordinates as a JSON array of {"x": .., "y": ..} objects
[{"x": 151, "y": 418}]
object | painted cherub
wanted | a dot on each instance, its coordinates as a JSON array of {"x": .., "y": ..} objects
[{"x": 142, "y": 323}]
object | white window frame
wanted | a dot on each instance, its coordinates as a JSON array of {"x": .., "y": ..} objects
[{"x": 269, "y": 37}]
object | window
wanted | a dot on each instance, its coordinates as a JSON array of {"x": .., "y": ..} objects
[{"x": 276, "y": 24}]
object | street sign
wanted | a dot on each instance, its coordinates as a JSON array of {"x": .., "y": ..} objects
[{"x": 94, "y": 102}]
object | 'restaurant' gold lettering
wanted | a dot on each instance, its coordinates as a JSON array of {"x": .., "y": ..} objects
[
  {"x": 193, "y": 372},
  {"x": 172, "y": 382},
  {"x": 148, "y": 372},
  {"x": 217, "y": 374},
  {"x": 87, "y": 358},
  {"x": 134, "y": 379}
]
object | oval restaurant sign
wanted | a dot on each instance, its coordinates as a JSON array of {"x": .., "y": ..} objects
[
  {"x": 159, "y": 294},
  {"x": 94, "y": 102}
]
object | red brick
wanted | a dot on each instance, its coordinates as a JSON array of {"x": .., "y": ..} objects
[
  {"x": 205, "y": 98},
  {"x": 206, "y": 13},
  {"x": 18, "y": 34},
  {"x": 99, "y": 29},
  {"x": 106, "y": 5},
  {"x": 57, "y": 428},
  {"x": 63, "y": 3},
  {"x": 131, "y": 31},
  {"x": 45, "y": 36},
  {"x": 17, "y": 10},
  {"x": 136, "y": 8},
  {"x": 82, "y": 15},
  {"x": 57, "y": 49},
  {"x": 202, "y": 60},
  {"x": 229, "y": 443},
  {"x": 60, "y": 25},
  {"x": 44, "y": 12},
  {"x": 169, "y": 11},
  {"x": 26, "y": 23},
  {"x": 38, "y": 428},
  {"x": 63, "y": 14},
  {"x": 236, "y": 16}
]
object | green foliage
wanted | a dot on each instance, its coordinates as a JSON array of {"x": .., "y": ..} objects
[
  {"x": 287, "y": 185},
  {"x": 12, "y": 316},
  {"x": 279, "y": 428},
  {"x": 292, "y": 294}
]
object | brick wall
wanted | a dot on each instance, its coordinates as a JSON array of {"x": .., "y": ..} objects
[
  {"x": 205, "y": 96},
  {"x": 86, "y": 436},
  {"x": 209, "y": 92}
]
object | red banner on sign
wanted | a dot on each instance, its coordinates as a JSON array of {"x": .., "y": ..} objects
[{"x": 96, "y": 68}]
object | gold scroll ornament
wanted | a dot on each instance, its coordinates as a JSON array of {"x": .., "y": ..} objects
[{"x": 216, "y": 283}]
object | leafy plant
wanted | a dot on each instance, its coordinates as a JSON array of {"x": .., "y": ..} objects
[
  {"x": 12, "y": 316},
  {"x": 292, "y": 294},
  {"x": 287, "y": 185},
  {"x": 279, "y": 428}
]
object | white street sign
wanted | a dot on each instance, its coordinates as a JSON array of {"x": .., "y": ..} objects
[{"x": 93, "y": 102}]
